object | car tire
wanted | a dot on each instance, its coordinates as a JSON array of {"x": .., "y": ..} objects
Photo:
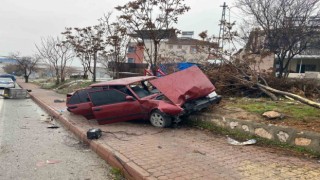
[{"x": 160, "y": 119}]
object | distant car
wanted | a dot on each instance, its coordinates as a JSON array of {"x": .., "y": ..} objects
[
  {"x": 6, "y": 83},
  {"x": 161, "y": 100},
  {"x": 8, "y": 76}
]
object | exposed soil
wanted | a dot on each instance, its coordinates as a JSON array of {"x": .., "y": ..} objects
[{"x": 227, "y": 109}]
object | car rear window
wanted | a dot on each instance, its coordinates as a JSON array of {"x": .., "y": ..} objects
[{"x": 74, "y": 99}]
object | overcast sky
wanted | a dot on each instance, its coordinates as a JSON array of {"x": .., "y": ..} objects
[{"x": 24, "y": 22}]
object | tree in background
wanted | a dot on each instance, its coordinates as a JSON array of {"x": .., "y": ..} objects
[
  {"x": 87, "y": 42},
  {"x": 12, "y": 69},
  {"x": 152, "y": 20},
  {"x": 26, "y": 64},
  {"x": 288, "y": 26},
  {"x": 57, "y": 54},
  {"x": 118, "y": 41}
]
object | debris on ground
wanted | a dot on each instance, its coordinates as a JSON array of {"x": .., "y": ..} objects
[
  {"x": 237, "y": 143},
  {"x": 94, "y": 133},
  {"x": 15, "y": 93},
  {"x": 43, "y": 163},
  {"x": 58, "y": 101},
  {"x": 53, "y": 126},
  {"x": 273, "y": 115}
]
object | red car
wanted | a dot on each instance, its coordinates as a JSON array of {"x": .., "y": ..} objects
[{"x": 161, "y": 100}]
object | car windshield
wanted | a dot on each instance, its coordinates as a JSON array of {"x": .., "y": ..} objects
[
  {"x": 8, "y": 76},
  {"x": 6, "y": 80},
  {"x": 143, "y": 89}
]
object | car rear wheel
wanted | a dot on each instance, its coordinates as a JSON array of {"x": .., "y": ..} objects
[{"x": 160, "y": 119}]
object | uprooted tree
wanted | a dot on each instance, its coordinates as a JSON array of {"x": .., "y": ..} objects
[
  {"x": 239, "y": 76},
  {"x": 151, "y": 21},
  {"x": 288, "y": 27}
]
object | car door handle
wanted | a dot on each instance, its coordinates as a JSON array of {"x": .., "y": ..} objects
[
  {"x": 72, "y": 107},
  {"x": 97, "y": 109}
]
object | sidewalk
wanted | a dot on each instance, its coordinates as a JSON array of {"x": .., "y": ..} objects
[{"x": 142, "y": 151}]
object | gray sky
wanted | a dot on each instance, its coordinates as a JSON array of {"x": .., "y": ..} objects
[{"x": 24, "y": 22}]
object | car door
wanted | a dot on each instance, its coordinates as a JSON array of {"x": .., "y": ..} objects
[
  {"x": 80, "y": 103},
  {"x": 111, "y": 106}
]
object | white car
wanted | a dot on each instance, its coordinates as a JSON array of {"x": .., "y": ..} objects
[{"x": 6, "y": 83}]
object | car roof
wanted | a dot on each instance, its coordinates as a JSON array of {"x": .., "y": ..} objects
[{"x": 123, "y": 81}]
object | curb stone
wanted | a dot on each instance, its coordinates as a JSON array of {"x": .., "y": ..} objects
[
  {"x": 307, "y": 139},
  {"x": 131, "y": 170}
]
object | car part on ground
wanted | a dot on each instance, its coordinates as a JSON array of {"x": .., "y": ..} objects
[
  {"x": 94, "y": 133},
  {"x": 161, "y": 100},
  {"x": 15, "y": 93}
]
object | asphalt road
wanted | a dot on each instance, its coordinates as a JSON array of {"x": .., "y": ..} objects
[{"x": 30, "y": 150}]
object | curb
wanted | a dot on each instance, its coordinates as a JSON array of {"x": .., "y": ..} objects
[
  {"x": 283, "y": 134},
  {"x": 114, "y": 158}
]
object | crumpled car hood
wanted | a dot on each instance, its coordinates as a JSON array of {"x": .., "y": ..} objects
[{"x": 184, "y": 85}]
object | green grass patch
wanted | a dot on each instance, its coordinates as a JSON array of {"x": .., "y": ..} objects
[
  {"x": 116, "y": 174},
  {"x": 293, "y": 110}
]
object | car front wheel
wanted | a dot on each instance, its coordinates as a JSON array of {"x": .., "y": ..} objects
[{"x": 160, "y": 119}]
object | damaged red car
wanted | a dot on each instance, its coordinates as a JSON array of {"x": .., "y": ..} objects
[{"x": 161, "y": 100}]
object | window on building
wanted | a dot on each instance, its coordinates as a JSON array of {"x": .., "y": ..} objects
[
  {"x": 131, "y": 49},
  {"x": 130, "y": 60},
  {"x": 179, "y": 47},
  {"x": 193, "y": 49},
  {"x": 305, "y": 67}
]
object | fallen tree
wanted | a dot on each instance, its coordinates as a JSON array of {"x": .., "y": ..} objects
[
  {"x": 238, "y": 78},
  {"x": 293, "y": 96}
]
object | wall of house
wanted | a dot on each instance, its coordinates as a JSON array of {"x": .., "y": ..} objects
[
  {"x": 257, "y": 62},
  {"x": 135, "y": 54},
  {"x": 189, "y": 53}
]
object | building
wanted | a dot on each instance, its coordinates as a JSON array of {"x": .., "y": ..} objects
[
  {"x": 135, "y": 53},
  {"x": 302, "y": 65},
  {"x": 172, "y": 49}
]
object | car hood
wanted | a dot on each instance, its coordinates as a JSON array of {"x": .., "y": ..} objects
[{"x": 184, "y": 85}]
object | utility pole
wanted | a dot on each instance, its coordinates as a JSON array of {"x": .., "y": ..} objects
[{"x": 222, "y": 25}]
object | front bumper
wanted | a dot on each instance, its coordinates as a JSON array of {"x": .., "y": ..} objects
[{"x": 200, "y": 104}]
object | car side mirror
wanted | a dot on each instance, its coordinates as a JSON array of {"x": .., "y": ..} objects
[{"x": 129, "y": 98}]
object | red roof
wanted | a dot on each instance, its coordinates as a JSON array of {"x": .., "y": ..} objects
[{"x": 123, "y": 81}]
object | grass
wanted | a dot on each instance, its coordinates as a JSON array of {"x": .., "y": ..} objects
[
  {"x": 63, "y": 88},
  {"x": 116, "y": 174},
  {"x": 296, "y": 111},
  {"x": 242, "y": 136}
]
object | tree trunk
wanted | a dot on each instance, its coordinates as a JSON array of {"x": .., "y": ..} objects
[
  {"x": 26, "y": 79},
  {"x": 293, "y": 96},
  {"x": 94, "y": 66},
  {"x": 154, "y": 67},
  {"x": 271, "y": 95},
  {"x": 62, "y": 77}
]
